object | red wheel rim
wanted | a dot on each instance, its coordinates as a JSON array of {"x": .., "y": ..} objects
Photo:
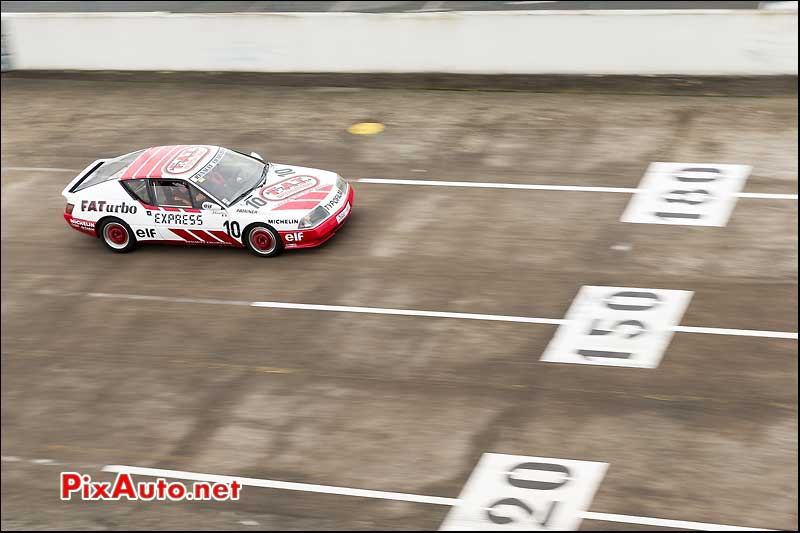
[
  {"x": 116, "y": 235},
  {"x": 262, "y": 240}
]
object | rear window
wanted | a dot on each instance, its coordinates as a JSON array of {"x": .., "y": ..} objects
[
  {"x": 138, "y": 189},
  {"x": 109, "y": 170}
]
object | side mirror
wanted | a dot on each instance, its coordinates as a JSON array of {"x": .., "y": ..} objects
[
  {"x": 253, "y": 154},
  {"x": 211, "y": 206}
]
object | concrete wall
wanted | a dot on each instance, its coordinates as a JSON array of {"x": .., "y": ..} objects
[{"x": 717, "y": 42}]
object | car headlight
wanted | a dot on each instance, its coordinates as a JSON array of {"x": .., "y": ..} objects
[
  {"x": 340, "y": 183},
  {"x": 313, "y": 218}
]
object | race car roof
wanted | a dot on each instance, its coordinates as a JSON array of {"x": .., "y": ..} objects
[{"x": 176, "y": 161}]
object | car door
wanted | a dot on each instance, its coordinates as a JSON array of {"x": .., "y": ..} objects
[
  {"x": 139, "y": 217},
  {"x": 216, "y": 220},
  {"x": 187, "y": 214}
]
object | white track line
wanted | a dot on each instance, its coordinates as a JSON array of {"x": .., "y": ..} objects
[
  {"x": 209, "y": 301},
  {"x": 337, "y": 308},
  {"x": 739, "y": 332},
  {"x": 486, "y": 185},
  {"x": 409, "y": 312},
  {"x": 398, "y": 496},
  {"x": 766, "y": 196},
  {"x": 489, "y": 185},
  {"x": 576, "y": 188},
  {"x": 433, "y": 314},
  {"x": 283, "y": 485},
  {"x": 662, "y": 522}
]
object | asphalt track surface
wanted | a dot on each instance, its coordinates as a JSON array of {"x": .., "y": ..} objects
[{"x": 384, "y": 402}]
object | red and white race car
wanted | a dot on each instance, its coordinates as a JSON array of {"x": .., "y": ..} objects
[{"x": 198, "y": 194}]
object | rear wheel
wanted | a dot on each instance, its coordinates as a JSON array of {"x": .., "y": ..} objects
[
  {"x": 263, "y": 241},
  {"x": 117, "y": 236}
]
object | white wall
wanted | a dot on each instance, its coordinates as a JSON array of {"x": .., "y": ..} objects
[{"x": 718, "y": 42}]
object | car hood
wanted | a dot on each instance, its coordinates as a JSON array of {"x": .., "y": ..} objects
[{"x": 290, "y": 189}]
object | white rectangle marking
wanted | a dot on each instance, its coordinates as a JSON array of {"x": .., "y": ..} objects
[
  {"x": 618, "y": 326},
  {"x": 688, "y": 194},
  {"x": 519, "y": 493}
]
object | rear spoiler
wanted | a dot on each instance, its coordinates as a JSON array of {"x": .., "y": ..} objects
[{"x": 81, "y": 177}]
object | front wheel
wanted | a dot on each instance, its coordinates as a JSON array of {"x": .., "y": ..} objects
[
  {"x": 263, "y": 241},
  {"x": 117, "y": 236}
]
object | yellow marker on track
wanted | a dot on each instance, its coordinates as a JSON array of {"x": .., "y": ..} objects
[{"x": 366, "y": 128}]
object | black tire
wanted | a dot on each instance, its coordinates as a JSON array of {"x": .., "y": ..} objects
[
  {"x": 262, "y": 240},
  {"x": 116, "y": 235}
]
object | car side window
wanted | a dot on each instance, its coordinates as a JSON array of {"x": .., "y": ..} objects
[
  {"x": 199, "y": 197},
  {"x": 138, "y": 189},
  {"x": 172, "y": 193}
]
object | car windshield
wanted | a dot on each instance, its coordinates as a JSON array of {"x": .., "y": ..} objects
[{"x": 233, "y": 176}]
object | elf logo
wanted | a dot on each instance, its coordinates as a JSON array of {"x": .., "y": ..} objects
[
  {"x": 146, "y": 233},
  {"x": 294, "y": 237}
]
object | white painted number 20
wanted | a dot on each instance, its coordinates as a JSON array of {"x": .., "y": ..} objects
[{"x": 518, "y": 493}]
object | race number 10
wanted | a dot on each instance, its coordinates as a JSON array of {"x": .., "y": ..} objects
[
  {"x": 693, "y": 194},
  {"x": 518, "y": 493},
  {"x": 618, "y": 326}
]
